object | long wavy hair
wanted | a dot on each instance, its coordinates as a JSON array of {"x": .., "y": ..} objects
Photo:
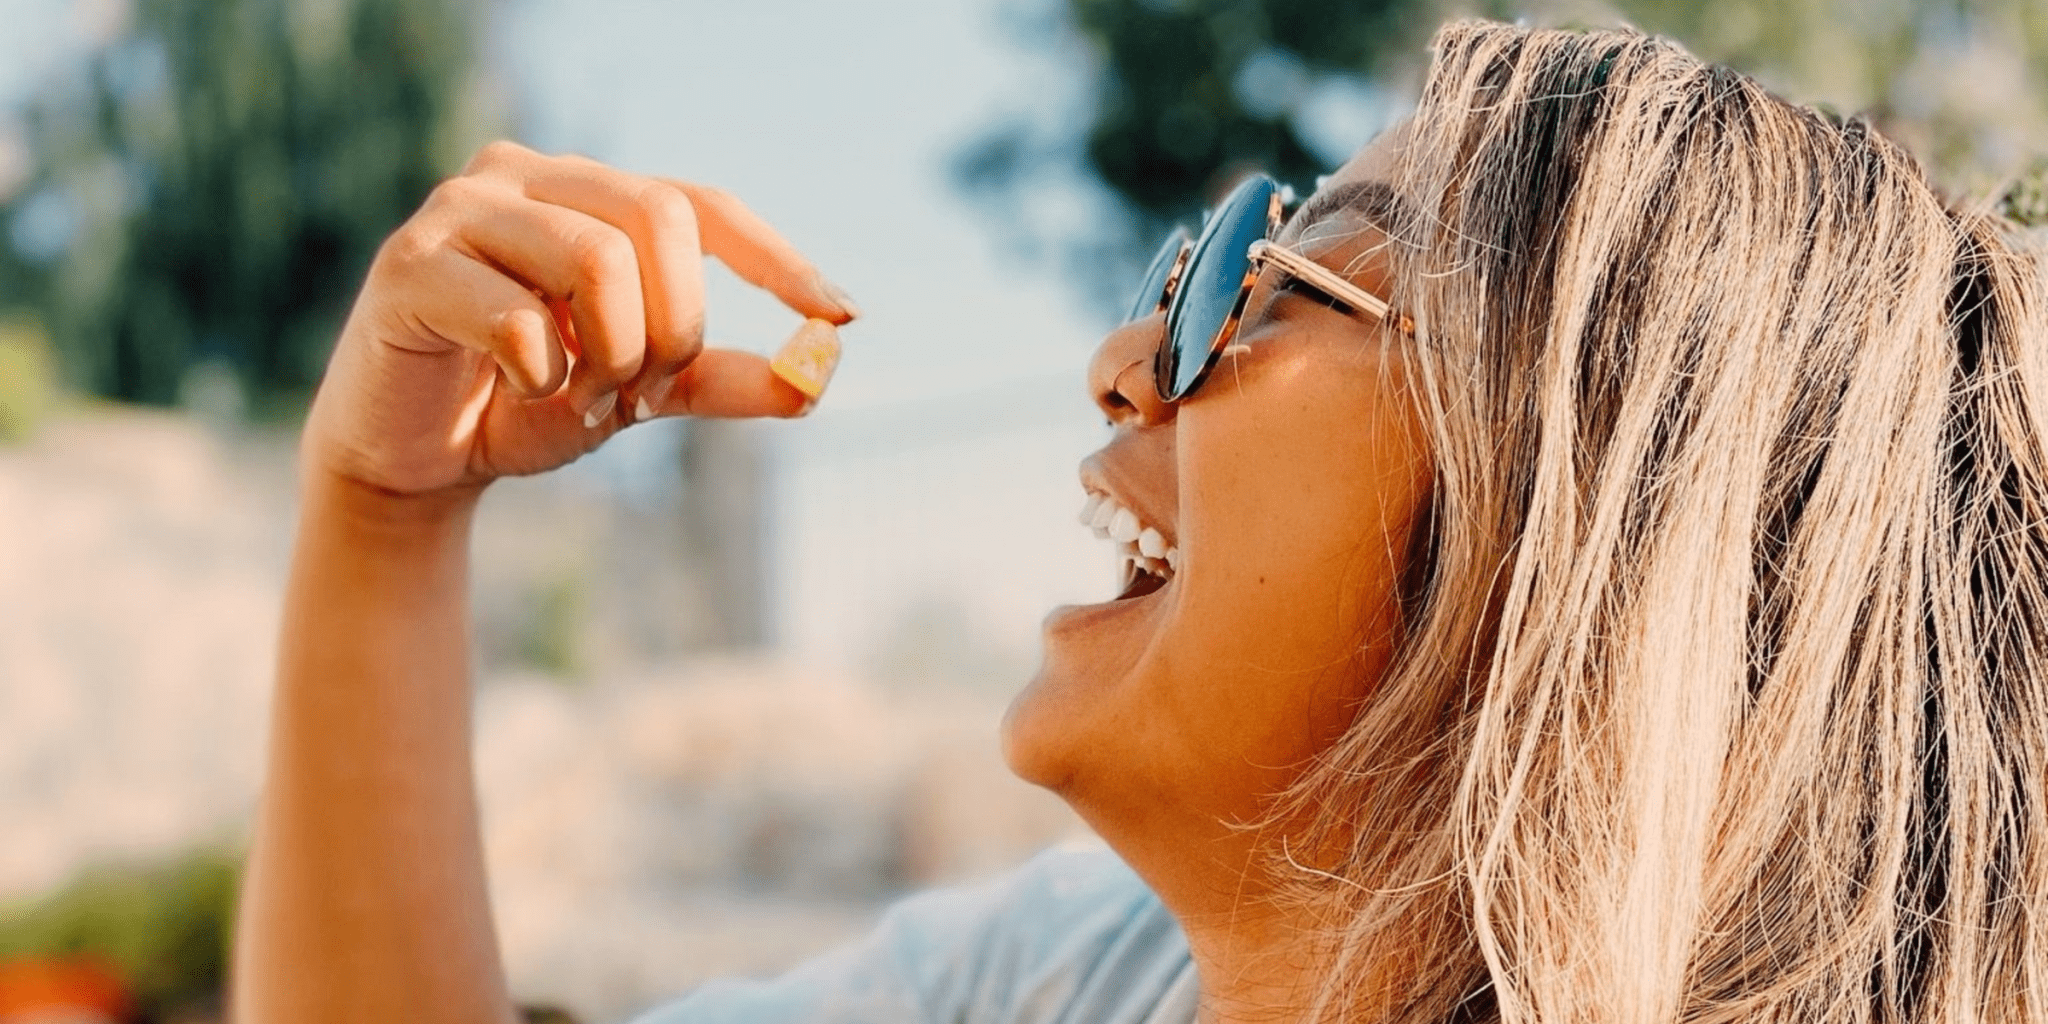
[{"x": 1723, "y": 688}]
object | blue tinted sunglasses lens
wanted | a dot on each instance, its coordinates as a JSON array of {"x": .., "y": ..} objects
[
  {"x": 1212, "y": 287},
  {"x": 1152, "y": 292}
]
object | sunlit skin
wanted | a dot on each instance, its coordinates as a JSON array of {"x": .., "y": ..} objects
[
  {"x": 535, "y": 306},
  {"x": 1290, "y": 481}
]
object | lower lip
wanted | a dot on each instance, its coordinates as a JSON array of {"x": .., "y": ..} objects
[{"x": 1079, "y": 616}]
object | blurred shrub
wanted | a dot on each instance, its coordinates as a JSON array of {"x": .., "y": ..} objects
[
  {"x": 1188, "y": 89},
  {"x": 2026, "y": 200},
  {"x": 211, "y": 185},
  {"x": 27, "y": 386},
  {"x": 165, "y": 929},
  {"x": 1182, "y": 94},
  {"x": 556, "y": 616},
  {"x": 1185, "y": 90}
]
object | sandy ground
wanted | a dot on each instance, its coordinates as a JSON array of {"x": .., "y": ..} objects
[{"x": 653, "y": 817}]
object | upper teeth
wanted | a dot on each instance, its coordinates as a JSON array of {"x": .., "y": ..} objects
[
  {"x": 1139, "y": 543},
  {"x": 1123, "y": 526}
]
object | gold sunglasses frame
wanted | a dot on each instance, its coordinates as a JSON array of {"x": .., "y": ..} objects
[{"x": 1262, "y": 253}]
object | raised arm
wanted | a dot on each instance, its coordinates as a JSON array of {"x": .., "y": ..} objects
[{"x": 533, "y": 307}]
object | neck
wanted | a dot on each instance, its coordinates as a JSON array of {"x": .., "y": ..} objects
[
  {"x": 1258, "y": 961},
  {"x": 1253, "y": 969}
]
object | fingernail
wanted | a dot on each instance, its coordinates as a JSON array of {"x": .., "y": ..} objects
[
  {"x": 601, "y": 409},
  {"x": 808, "y": 358},
  {"x": 652, "y": 396},
  {"x": 838, "y": 297}
]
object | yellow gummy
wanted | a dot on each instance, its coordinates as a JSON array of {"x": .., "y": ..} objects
[{"x": 808, "y": 358}]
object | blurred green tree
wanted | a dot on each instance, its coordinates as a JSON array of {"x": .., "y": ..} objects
[
  {"x": 1188, "y": 89},
  {"x": 1181, "y": 93},
  {"x": 209, "y": 187}
]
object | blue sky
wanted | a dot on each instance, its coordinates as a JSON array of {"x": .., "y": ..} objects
[{"x": 941, "y": 466}]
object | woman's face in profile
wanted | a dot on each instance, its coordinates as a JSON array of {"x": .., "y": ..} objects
[{"x": 1289, "y": 483}]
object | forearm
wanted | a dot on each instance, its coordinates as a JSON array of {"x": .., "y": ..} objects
[{"x": 365, "y": 895}]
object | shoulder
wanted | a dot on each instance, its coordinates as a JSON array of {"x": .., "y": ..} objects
[
  {"x": 1072, "y": 935},
  {"x": 1070, "y": 915}
]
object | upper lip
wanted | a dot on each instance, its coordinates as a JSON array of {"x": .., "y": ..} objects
[{"x": 1105, "y": 474}]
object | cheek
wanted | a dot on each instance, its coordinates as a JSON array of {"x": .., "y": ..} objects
[{"x": 1297, "y": 497}]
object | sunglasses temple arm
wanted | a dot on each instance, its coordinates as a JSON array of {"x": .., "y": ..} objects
[{"x": 1321, "y": 277}]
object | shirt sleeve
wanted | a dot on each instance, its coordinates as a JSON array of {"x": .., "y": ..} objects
[{"x": 1072, "y": 935}]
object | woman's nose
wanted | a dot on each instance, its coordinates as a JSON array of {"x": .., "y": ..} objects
[{"x": 1120, "y": 375}]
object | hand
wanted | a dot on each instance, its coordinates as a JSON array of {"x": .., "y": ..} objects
[{"x": 536, "y": 305}]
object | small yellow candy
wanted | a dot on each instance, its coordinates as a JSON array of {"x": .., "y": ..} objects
[{"x": 808, "y": 358}]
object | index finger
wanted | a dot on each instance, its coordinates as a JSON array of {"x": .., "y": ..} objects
[{"x": 741, "y": 240}]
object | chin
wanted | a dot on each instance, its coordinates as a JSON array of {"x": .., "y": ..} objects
[
  {"x": 1075, "y": 728},
  {"x": 1029, "y": 746},
  {"x": 1048, "y": 742},
  {"x": 1043, "y": 729}
]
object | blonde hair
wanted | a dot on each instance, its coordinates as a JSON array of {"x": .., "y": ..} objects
[{"x": 1723, "y": 693}]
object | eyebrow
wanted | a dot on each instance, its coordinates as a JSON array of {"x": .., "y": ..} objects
[{"x": 1375, "y": 199}]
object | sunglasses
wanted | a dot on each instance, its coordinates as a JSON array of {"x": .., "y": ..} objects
[{"x": 1203, "y": 284}]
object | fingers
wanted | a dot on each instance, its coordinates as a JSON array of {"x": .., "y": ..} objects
[
  {"x": 454, "y": 297},
  {"x": 724, "y": 382},
  {"x": 573, "y": 256},
  {"x": 621, "y": 255},
  {"x": 729, "y": 383},
  {"x": 662, "y": 226},
  {"x": 743, "y": 241}
]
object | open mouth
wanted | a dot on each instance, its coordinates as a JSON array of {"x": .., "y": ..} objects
[
  {"x": 1139, "y": 581},
  {"x": 1149, "y": 560}
]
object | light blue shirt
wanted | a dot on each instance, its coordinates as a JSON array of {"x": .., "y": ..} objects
[{"x": 1072, "y": 937}]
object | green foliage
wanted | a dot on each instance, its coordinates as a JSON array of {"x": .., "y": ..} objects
[
  {"x": 551, "y": 637},
  {"x": 164, "y": 929},
  {"x": 1188, "y": 89},
  {"x": 2025, "y": 202},
  {"x": 211, "y": 186},
  {"x": 27, "y": 389},
  {"x": 1184, "y": 92}
]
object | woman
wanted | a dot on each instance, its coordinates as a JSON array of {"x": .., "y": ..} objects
[{"x": 1641, "y": 621}]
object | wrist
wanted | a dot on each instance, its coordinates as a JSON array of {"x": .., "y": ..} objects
[{"x": 365, "y": 509}]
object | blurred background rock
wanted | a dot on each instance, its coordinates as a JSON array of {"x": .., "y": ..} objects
[{"x": 738, "y": 683}]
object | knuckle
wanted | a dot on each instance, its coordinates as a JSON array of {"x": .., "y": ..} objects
[
  {"x": 601, "y": 256},
  {"x": 407, "y": 246},
  {"x": 461, "y": 193},
  {"x": 665, "y": 211},
  {"x": 509, "y": 332},
  {"x": 496, "y": 153}
]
